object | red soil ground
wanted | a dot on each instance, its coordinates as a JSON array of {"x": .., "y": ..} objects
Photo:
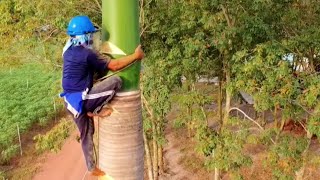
[{"x": 68, "y": 164}]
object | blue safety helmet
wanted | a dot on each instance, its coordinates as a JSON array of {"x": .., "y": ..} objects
[{"x": 80, "y": 25}]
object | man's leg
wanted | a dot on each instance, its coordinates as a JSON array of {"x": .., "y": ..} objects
[
  {"x": 101, "y": 94},
  {"x": 86, "y": 129}
]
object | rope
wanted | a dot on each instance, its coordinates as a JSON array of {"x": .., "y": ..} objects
[
  {"x": 84, "y": 176},
  {"x": 116, "y": 72},
  {"x": 95, "y": 153}
]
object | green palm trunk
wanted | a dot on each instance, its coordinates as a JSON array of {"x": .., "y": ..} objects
[
  {"x": 121, "y": 148},
  {"x": 120, "y": 26}
]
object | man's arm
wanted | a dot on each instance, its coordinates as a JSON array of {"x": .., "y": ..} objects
[{"x": 122, "y": 62}]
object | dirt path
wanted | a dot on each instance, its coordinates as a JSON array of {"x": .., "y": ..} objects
[
  {"x": 173, "y": 157},
  {"x": 68, "y": 164},
  {"x": 177, "y": 151}
]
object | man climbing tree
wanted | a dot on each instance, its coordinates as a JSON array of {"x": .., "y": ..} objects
[{"x": 83, "y": 99}]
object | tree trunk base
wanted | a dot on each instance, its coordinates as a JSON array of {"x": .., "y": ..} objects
[{"x": 121, "y": 147}]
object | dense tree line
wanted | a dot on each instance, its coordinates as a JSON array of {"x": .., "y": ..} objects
[{"x": 268, "y": 49}]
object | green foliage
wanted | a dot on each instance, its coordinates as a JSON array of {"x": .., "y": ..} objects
[
  {"x": 269, "y": 49},
  {"x": 269, "y": 79},
  {"x": 191, "y": 108},
  {"x": 228, "y": 153},
  {"x": 179, "y": 123},
  {"x": 34, "y": 31},
  {"x": 285, "y": 158},
  {"x": 313, "y": 125},
  {"x": 147, "y": 124},
  {"x": 2, "y": 175},
  {"x": 8, "y": 153},
  {"x": 266, "y": 136},
  {"x": 27, "y": 97},
  {"x": 54, "y": 139},
  {"x": 206, "y": 140}
]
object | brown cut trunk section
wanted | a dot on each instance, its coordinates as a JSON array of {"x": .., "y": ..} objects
[
  {"x": 283, "y": 121},
  {"x": 189, "y": 111},
  {"x": 160, "y": 159},
  {"x": 160, "y": 154},
  {"x": 121, "y": 147},
  {"x": 155, "y": 151},
  {"x": 275, "y": 112},
  {"x": 264, "y": 118},
  {"x": 228, "y": 97},
  {"x": 311, "y": 60},
  {"x": 216, "y": 170},
  {"x": 148, "y": 156},
  {"x": 220, "y": 105},
  {"x": 216, "y": 174}
]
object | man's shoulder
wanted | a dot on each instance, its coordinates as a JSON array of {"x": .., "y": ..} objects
[{"x": 77, "y": 51}]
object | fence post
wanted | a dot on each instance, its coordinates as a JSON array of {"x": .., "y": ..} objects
[
  {"x": 19, "y": 139},
  {"x": 55, "y": 110}
]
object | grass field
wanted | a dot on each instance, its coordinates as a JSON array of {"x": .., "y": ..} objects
[{"x": 28, "y": 95}]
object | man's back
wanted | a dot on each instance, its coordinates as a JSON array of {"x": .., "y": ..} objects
[{"x": 78, "y": 68}]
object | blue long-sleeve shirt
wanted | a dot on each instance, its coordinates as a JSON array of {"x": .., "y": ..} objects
[{"x": 79, "y": 66}]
